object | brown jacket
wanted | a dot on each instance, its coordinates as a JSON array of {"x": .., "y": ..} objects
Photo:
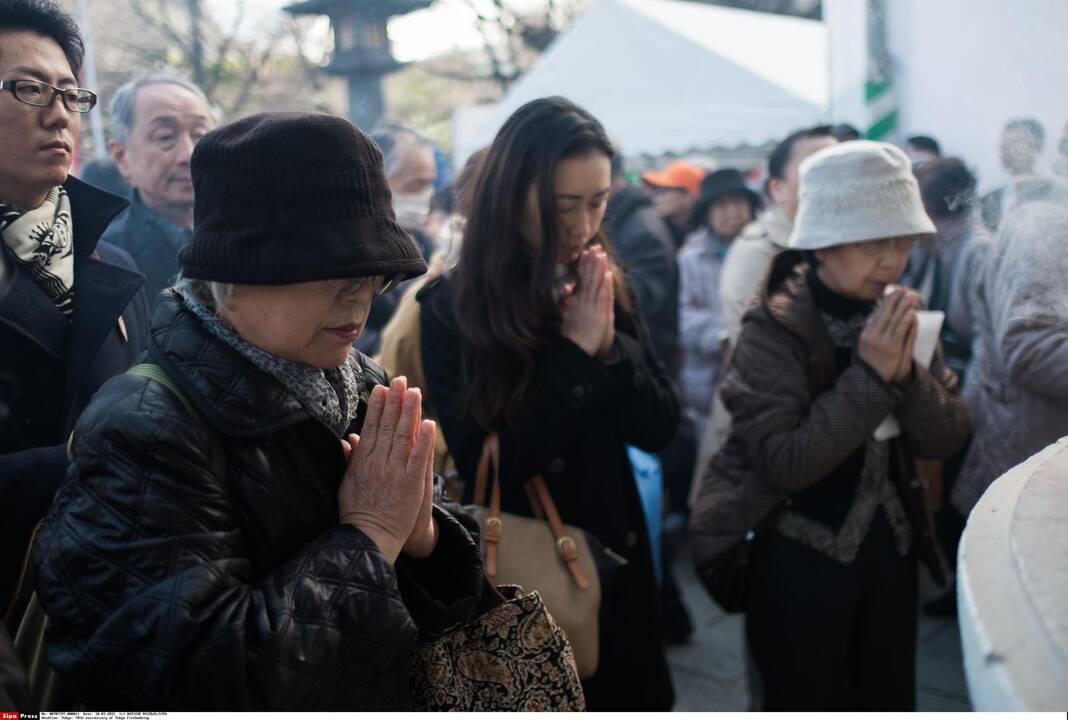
[{"x": 794, "y": 422}]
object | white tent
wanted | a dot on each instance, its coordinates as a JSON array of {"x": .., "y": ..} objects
[{"x": 668, "y": 76}]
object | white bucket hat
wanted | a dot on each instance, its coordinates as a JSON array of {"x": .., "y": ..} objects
[{"x": 857, "y": 191}]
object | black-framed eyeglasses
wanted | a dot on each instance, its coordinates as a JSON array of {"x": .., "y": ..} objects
[{"x": 41, "y": 94}]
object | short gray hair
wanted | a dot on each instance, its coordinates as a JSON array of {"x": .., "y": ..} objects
[
  {"x": 210, "y": 294},
  {"x": 392, "y": 137},
  {"x": 122, "y": 104}
]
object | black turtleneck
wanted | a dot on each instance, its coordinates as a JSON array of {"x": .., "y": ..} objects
[
  {"x": 832, "y": 303},
  {"x": 829, "y": 500}
]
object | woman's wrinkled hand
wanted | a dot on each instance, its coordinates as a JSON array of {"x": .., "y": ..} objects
[
  {"x": 425, "y": 532},
  {"x": 383, "y": 490},
  {"x": 588, "y": 312},
  {"x": 887, "y": 341}
]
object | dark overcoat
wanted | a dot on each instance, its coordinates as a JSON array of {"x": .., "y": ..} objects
[
  {"x": 580, "y": 415},
  {"x": 50, "y": 368}
]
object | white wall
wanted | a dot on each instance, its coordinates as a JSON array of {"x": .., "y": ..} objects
[
  {"x": 970, "y": 65},
  {"x": 963, "y": 68},
  {"x": 847, "y": 53}
]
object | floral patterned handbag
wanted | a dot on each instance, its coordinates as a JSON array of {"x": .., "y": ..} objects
[{"x": 512, "y": 657}]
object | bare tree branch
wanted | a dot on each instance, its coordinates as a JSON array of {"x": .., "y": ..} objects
[
  {"x": 256, "y": 66},
  {"x": 312, "y": 70},
  {"x": 225, "y": 45},
  {"x": 462, "y": 75},
  {"x": 499, "y": 75},
  {"x": 161, "y": 22},
  {"x": 196, "y": 56},
  {"x": 510, "y": 37},
  {"x": 508, "y": 23}
]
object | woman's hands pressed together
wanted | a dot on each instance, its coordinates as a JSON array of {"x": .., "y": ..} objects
[
  {"x": 589, "y": 311},
  {"x": 387, "y": 491},
  {"x": 889, "y": 339}
]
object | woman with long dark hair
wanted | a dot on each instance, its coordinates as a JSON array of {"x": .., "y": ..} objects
[{"x": 533, "y": 336}]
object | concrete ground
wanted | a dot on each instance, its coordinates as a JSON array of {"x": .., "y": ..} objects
[{"x": 710, "y": 674}]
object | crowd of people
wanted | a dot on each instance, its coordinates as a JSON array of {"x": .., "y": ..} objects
[{"x": 251, "y": 369}]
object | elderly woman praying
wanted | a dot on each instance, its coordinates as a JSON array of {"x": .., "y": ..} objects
[
  {"x": 225, "y": 539},
  {"x": 824, "y": 357}
]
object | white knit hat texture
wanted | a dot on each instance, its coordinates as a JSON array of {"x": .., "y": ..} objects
[{"x": 855, "y": 192}]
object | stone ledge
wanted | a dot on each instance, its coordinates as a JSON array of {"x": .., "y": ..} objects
[{"x": 1012, "y": 588}]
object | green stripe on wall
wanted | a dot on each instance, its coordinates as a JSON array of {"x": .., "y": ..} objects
[
  {"x": 874, "y": 88},
  {"x": 883, "y": 127}
]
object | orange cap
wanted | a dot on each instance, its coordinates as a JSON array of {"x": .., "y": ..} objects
[{"x": 679, "y": 174}]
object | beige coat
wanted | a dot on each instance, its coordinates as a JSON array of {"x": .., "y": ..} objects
[
  {"x": 746, "y": 265},
  {"x": 744, "y": 270},
  {"x": 402, "y": 348}
]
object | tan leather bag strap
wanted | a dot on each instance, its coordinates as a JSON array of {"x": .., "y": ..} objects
[
  {"x": 482, "y": 475},
  {"x": 535, "y": 503},
  {"x": 491, "y": 456},
  {"x": 564, "y": 542},
  {"x": 541, "y": 502}
]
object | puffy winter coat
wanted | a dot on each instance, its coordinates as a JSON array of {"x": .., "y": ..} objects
[
  {"x": 1017, "y": 389},
  {"x": 700, "y": 265},
  {"x": 171, "y": 586},
  {"x": 646, "y": 251},
  {"x": 794, "y": 422}
]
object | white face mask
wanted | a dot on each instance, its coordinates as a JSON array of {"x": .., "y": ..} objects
[{"x": 412, "y": 208}]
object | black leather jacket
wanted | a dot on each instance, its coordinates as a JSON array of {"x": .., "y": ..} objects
[{"x": 168, "y": 587}]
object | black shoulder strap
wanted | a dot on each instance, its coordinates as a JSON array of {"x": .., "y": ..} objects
[{"x": 153, "y": 371}]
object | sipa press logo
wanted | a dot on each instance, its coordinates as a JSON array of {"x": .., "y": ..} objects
[{"x": 9, "y": 716}]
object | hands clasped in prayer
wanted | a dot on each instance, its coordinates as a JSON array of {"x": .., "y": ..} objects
[
  {"x": 589, "y": 309},
  {"x": 388, "y": 488},
  {"x": 889, "y": 338}
]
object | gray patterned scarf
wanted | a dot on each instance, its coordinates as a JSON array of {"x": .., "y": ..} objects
[
  {"x": 331, "y": 396},
  {"x": 42, "y": 242}
]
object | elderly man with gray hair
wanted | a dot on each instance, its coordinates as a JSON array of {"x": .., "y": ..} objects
[
  {"x": 409, "y": 165},
  {"x": 156, "y": 120}
]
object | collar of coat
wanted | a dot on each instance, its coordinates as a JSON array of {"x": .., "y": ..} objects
[
  {"x": 148, "y": 225},
  {"x": 787, "y": 299},
  {"x": 232, "y": 393},
  {"x": 776, "y": 225},
  {"x": 92, "y": 210},
  {"x": 106, "y": 288}
]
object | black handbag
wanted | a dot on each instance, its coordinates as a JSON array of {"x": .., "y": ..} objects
[
  {"x": 727, "y": 579},
  {"x": 727, "y": 525}
]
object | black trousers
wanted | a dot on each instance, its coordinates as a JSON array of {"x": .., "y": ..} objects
[{"x": 825, "y": 636}]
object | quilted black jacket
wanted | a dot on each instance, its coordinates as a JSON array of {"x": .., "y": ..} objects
[{"x": 168, "y": 587}]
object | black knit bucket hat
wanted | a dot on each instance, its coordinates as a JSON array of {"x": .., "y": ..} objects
[{"x": 285, "y": 197}]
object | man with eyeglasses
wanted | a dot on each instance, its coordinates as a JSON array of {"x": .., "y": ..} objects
[
  {"x": 72, "y": 310},
  {"x": 156, "y": 121}
]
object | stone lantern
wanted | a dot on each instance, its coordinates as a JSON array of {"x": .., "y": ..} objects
[{"x": 361, "y": 48}]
